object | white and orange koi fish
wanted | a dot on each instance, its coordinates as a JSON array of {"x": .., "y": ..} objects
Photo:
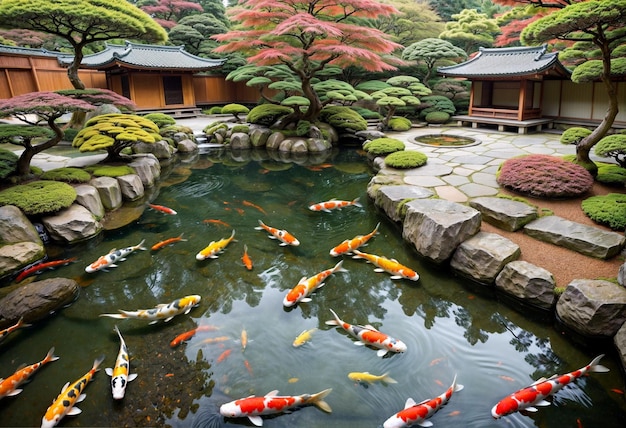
[
  {"x": 350, "y": 245},
  {"x": 114, "y": 256},
  {"x": 70, "y": 395},
  {"x": 417, "y": 413},
  {"x": 120, "y": 374},
  {"x": 254, "y": 407},
  {"x": 534, "y": 395},
  {"x": 334, "y": 204},
  {"x": 283, "y": 236},
  {"x": 368, "y": 335},
  {"x": 391, "y": 266},
  {"x": 19, "y": 324},
  {"x": 163, "y": 311},
  {"x": 306, "y": 286},
  {"x": 163, "y": 209},
  {"x": 9, "y": 386},
  {"x": 215, "y": 247}
]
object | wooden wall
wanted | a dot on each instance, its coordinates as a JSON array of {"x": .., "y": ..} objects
[{"x": 215, "y": 90}]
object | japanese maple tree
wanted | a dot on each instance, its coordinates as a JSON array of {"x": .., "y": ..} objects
[
  {"x": 307, "y": 36},
  {"x": 167, "y": 13}
]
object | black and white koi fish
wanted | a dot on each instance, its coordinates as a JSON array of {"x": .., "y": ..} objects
[
  {"x": 120, "y": 374},
  {"x": 109, "y": 260}
]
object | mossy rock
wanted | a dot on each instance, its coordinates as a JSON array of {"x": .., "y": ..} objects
[
  {"x": 168, "y": 132},
  {"x": 39, "y": 197},
  {"x": 240, "y": 128},
  {"x": 399, "y": 124},
  {"x": 212, "y": 128},
  {"x": 574, "y": 134},
  {"x": 609, "y": 210},
  {"x": 161, "y": 119},
  {"x": 437, "y": 117},
  {"x": 110, "y": 170},
  {"x": 406, "y": 159},
  {"x": 67, "y": 175},
  {"x": 267, "y": 114},
  {"x": 383, "y": 146},
  {"x": 8, "y": 163}
]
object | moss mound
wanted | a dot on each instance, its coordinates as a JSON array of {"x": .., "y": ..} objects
[
  {"x": 437, "y": 117},
  {"x": 544, "y": 176},
  {"x": 383, "y": 146},
  {"x": 110, "y": 170},
  {"x": 609, "y": 210},
  {"x": 8, "y": 163},
  {"x": 67, "y": 175},
  {"x": 39, "y": 197},
  {"x": 574, "y": 135},
  {"x": 161, "y": 119},
  {"x": 406, "y": 159},
  {"x": 343, "y": 119},
  {"x": 611, "y": 174},
  {"x": 267, "y": 114},
  {"x": 399, "y": 124}
]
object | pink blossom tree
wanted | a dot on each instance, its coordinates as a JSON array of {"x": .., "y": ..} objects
[
  {"x": 308, "y": 36},
  {"x": 167, "y": 13}
]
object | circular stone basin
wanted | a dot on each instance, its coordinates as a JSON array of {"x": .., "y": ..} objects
[{"x": 442, "y": 140}]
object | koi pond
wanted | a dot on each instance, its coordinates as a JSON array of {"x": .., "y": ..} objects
[
  {"x": 450, "y": 327},
  {"x": 446, "y": 140}
]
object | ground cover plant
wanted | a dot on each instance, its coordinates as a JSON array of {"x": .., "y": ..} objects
[
  {"x": 39, "y": 197},
  {"x": 406, "y": 159},
  {"x": 383, "y": 146},
  {"x": 609, "y": 210}
]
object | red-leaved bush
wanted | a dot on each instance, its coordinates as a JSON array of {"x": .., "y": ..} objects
[{"x": 544, "y": 176}]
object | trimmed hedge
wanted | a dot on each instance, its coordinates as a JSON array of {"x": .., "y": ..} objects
[
  {"x": 383, "y": 146},
  {"x": 67, "y": 175},
  {"x": 39, "y": 197}
]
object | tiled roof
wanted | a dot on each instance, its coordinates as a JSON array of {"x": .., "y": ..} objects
[
  {"x": 503, "y": 62},
  {"x": 17, "y": 50},
  {"x": 153, "y": 57}
]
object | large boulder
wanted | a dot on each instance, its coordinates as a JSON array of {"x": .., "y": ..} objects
[
  {"x": 73, "y": 224},
  {"x": 109, "y": 191},
  {"x": 161, "y": 149},
  {"x": 391, "y": 199},
  {"x": 186, "y": 146},
  {"x": 147, "y": 167},
  {"x": 532, "y": 284},
  {"x": 131, "y": 186},
  {"x": 37, "y": 300},
  {"x": 88, "y": 197},
  {"x": 503, "y": 213},
  {"x": 20, "y": 244},
  {"x": 593, "y": 307},
  {"x": 240, "y": 141},
  {"x": 436, "y": 226},
  {"x": 259, "y": 136},
  {"x": 483, "y": 256},
  {"x": 620, "y": 344}
]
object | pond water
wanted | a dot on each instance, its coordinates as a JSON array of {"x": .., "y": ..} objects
[
  {"x": 446, "y": 140},
  {"x": 449, "y": 326}
]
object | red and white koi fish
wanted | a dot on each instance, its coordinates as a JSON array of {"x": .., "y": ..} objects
[
  {"x": 391, "y": 266},
  {"x": 9, "y": 386},
  {"x": 114, "y": 256},
  {"x": 20, "y": 324},
  {"x": 70, "y": 395},
  {"x": 350, "y": 245},
  {"x": 254, "y": 407},
  {"x": 167, "y": 242},
  {"x": 161, "y": 312},
  {"x": 163, "y": 209},
  {"x": 534, "y": 395},
  {"x": 334, "y": 204},
  {"x": 306, "y": 286},
  {"x": 215, "y": 247},
  {"x": 42, "y": 266},
  {"x": 283, "y": 236},
  {"x": 247, "y": 261},
  {"x": 417, "y": 413},
  {"x": 120, "y": 374},
  {"x": 368, "y": 335},
  {"x": 189, "y": 334}
]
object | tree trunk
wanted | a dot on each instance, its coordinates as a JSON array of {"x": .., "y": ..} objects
[
  {"x": 78, "y": 117},
  {"x": 23, "y": 163},
  {"x": 315, "y": 106}
]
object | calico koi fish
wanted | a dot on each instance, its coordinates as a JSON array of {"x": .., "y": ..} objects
[
  {"x": 391, "y": 266},
  {"x": 42, "y": 266},
  {"x": 183, "y": 337},
  {"x": 306, "y": 286},
  {"x": 303, "y": 337},
  {"x": 254, "y": 407},
  {"x": 350, "y": 245},
  {"x": 256, "y": 207},
  {"x": 368, "y": 335},
  {"x": 215, "y": 247},
  {"x": 334, "y": 204},
  {"x": 109, "y": 260},
  {"x": 167, "y": 242},
  {"x": 417, "y": 413},
  {"x": 163, "y": 209},
  {"x": 367, "y": 377},
  {"x": 20, "y": 324},
  {"x": 283, "y": 236},
  {"x": 120, "y": 374},
  {"x": 161, "y": 312},
  {"x": 247, "y": 261},
  {"x": 9, "y": 386},
  {"x": 535, "y": 394},
  {"x": 70, "y": 395}
]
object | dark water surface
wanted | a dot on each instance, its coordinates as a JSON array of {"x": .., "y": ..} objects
[{"x": 449, "y": 326}]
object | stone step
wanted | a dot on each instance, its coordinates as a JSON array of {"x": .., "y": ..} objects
[{"x": 503, "y": 213}]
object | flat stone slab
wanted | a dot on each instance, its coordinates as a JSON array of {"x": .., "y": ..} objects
[
  {"x": 505, "y": 214},
  {"x": 389, "y": 198},
  {"x": 588, "y": 240}
]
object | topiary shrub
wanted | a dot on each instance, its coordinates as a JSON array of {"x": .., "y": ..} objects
[
  {"x": 613, "y": 146},
  {"x": 213, "y": 110},
  {"x": 67, "y": 175},
  {"x": 110, "y": 170},
  {"x": 8, "y": 163},
  {"x": 574, "y": 135},
  {"x": 436, "y": 103},
  {"x": 343, "y": 119},
  {"x": 399, "y": 124},
  {"x": 544, "y": 176},
  {"x": 366, "y": 113},
  {"x": 39, "y": 197},
  {"x": 406, "y": 159},
  {"x": 267, "y": 114},
  {"x": 609, "y": 210},
  {"x": 383, "y": 146},
  {"x": 437, "y": 117},
  {"x": 69, "y": 134},
  {"x": 611, "y": 174},
  {"x": 235, "y": 110},
  {"x": 161, "y": 119},
  {"x": 240, "y": 128}
]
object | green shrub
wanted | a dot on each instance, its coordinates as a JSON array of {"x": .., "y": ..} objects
[
  {"x": 161, "y": 119},
  {"x": 436, "y": 103},
  {"x": 303, "y": 128},
  {"x": 235, "y": 110},
  {"x": 383, "y": 146},
  {"x": 67, "y": 175},
  {"x": 613, "y": 146},
  {"x": 267, "y": 114},
  {"x": 367, "y": 113},
  {"x": 574, "y": 134},
  {"x": 69, "y": 134},
  {"x": 437, "y": 117},
  {"x": 240, "y": 128},
  {"x": 8, "y": 163},
  {"x": 343, "y": 119},
  {"x": 611, "y": 174},
  {"x": 399, "y": 124},
  {"x": 39, "y": 197},
  {"x": 213, "y": 110},
  {"x": 406, "y": 159},
  {"x": 110, "y": 170},
  {"x": 609, "y": 210}
]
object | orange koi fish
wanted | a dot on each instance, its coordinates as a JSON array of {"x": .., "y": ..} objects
[
  {"x": 69, "y": 396},
  {"x": 334, "y": 204},
  {"x": 248, "y": 367},
  {"x": 42, "y": 266},
  {"x": 224, "y": 355},
  {"x": 183, "y": 337},
  {"x": 247, "y": 261},
  {"x": 216, "y": 339},
  {"x": 391, "y": 266},
  {"x": 244, "y": 339},
  {"x": 215, "y": 247},
  {"x": 20, "y": 324},
  {"x": 163, "y": 209},
  {"x": 167, "y": 242},
  {"x": 250, "y": 204},
  {"x": 216, "y": 222},
  {"x": 306, "y": 286},
  {"x": 349, "y": 245},
  {"x": 9, "y": 386},
  {"x": 283, "y": 236}
]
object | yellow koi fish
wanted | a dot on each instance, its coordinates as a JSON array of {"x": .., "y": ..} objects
[
  {"x": 120, "y": 374},
  {"x": 370, "y": 378},
  {"x": 303, "y": 337},
  {"x": 214, "y": 248},
  {"x": 162, "y": 311},
  {"x": 391, "y": 266}
]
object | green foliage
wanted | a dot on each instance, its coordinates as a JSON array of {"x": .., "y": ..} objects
[
  {"x": 240, "y": 128},
  {"x": 267, "y": 114},
  {"x": 383, "y": 146},
  {"x": 235, "y": 110},
  {"x": 613, "y": 146},
  {"x": 406, "y": 159},
  {"x": 168, "y": 132},
  {"x": 436, "y": 103},
  {"x": 592, "y": 70},
  {"x": 8, "y": 163},
  {"x": 399, "y": 124},
  {"x": 161, "y": 119},
  {"x": 67, "y": 175},
  {"x": 574, "y": 135},
  {"x": 212, "y": 128},
  {"x": 609, "y": 210},
  {"x": 69, "y": 134},
  {"x": 437, "y": 117},
  {"x": 611, "y": 174},
  {"x": 109, "y": 170},
  {"x": 366, "y": 113},
  {"x": 303, "y": 128},
  {"x": 213, "y": 110},
  {"x": 343, "y": 119},
  {"x": 39, "y": 197}
]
